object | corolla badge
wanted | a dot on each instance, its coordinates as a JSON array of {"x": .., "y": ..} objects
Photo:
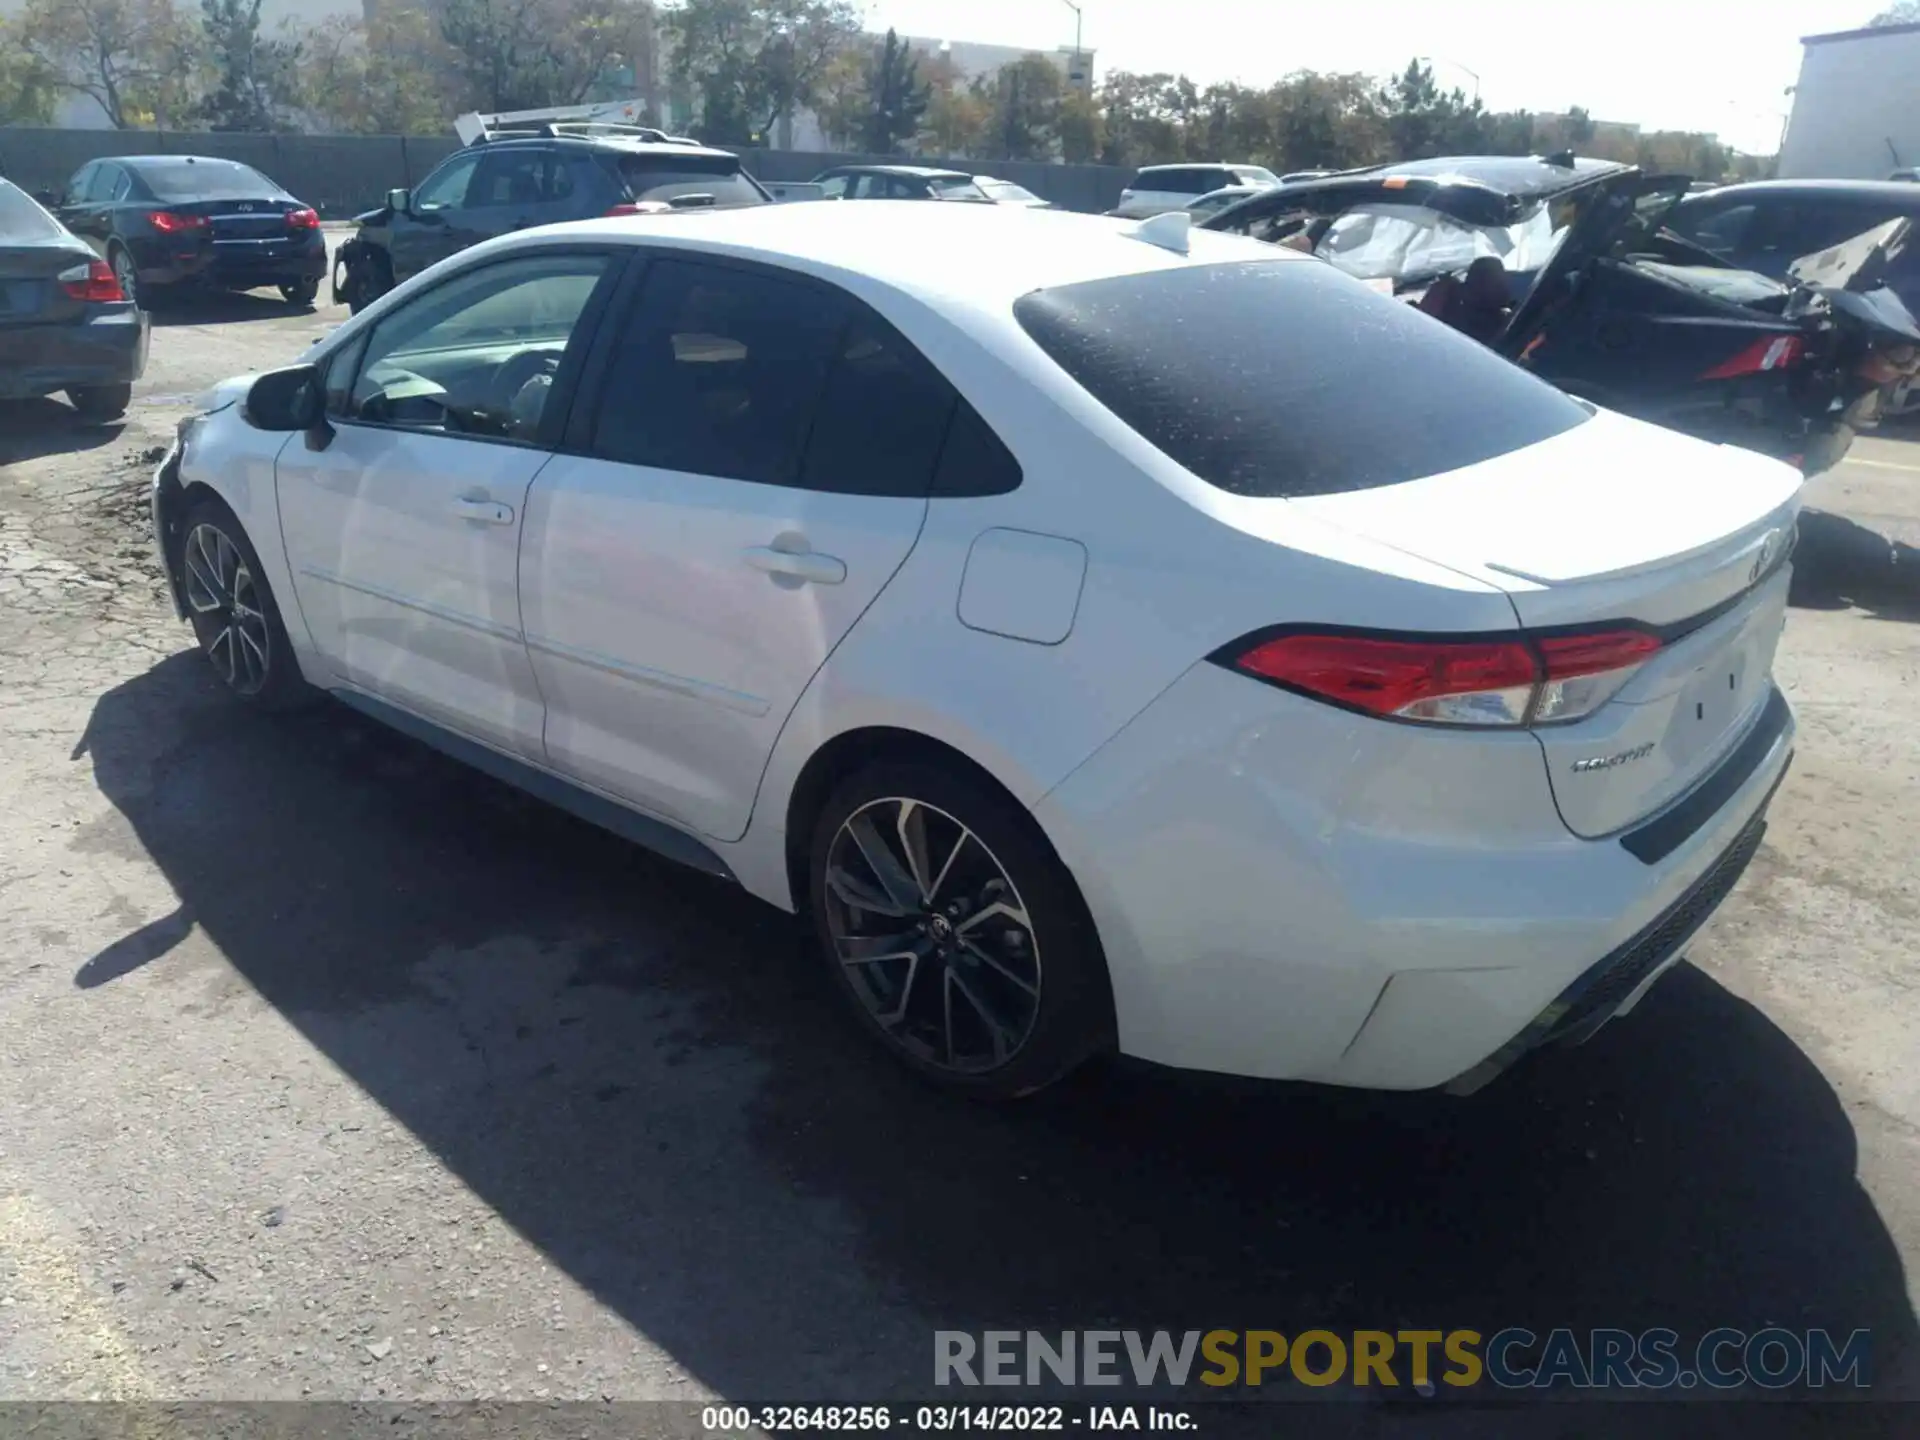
[{"x": 1609, "y": 762}]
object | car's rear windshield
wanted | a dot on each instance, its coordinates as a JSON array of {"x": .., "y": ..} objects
[
  {"x": 955, "y": 187},
  {"x": 21, "y": 221},
  {"x": 205, "y": 180},
  {"x": 1184, "y": 179},
  {"x": 668, "y": 177},
  {"x": 1285, "y": 377}
]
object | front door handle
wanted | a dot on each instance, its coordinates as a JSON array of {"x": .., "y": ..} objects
[
  {"x": 484, "y": 512},
  {"x": 801, "y": 564}
]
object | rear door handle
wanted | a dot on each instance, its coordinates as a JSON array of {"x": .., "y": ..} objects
[
  {"x": 484, "y": 512},
  {"x": 802, "y": 565}
]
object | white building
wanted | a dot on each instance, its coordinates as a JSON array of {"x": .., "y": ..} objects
[{"x": 1856, "y": 109}]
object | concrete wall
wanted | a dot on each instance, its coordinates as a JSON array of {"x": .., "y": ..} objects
[
  {"x": 342, "y": 174},
  {"x": 1856, "y": 108}
]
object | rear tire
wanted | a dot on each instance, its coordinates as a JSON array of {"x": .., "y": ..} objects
[
  {"x": 101, "y": 402},
  {"x": 974, "y": 963},
  {"x": 301, "y": 293},
  {"x": 127, "y": 273},
  {"x": 234, "y": 614}
]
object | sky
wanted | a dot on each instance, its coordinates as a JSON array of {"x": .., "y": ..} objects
[{"x": 1715, "y": 65}]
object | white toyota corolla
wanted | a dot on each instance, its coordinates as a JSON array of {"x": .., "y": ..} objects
[{"x": 1108, "y": 636}]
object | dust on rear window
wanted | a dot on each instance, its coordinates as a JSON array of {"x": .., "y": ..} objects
[
  {"x": 1285, "y": 377},
  {"x": 205, "y": 180},
  {"x": 670, "y": 177},
  {"x": 22, "y": 221}
]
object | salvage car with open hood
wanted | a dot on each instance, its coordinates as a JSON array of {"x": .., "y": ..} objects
[{"x": 1563, "y": 265}]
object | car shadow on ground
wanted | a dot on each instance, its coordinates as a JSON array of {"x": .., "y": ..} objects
[
  {"x": 638, "y": 1069},
  {"x": 220, "y": 307},
  {"x": 1840, "y": 563},
  {"x": 35, "y": 429}
]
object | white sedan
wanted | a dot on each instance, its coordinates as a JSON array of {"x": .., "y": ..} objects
[{"x": 1110, "y": 637}]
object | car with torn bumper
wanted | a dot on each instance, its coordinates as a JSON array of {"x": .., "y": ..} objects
[
  {"x": 65, "y": 323},
  {"x": 1565, "y": 266},
  {"x": 1108, "y": 637}
]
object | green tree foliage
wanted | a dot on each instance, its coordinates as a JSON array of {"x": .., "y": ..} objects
[
  {"x": 386, "y": 75},
  {"x": 28, "y": 89},
  {"x": 1903, "y": 12},
  {"x": 1025, "y": 99},
  {"x": 521, "y": 54},
  {"x": 897, "y": 98},
  {"x": 135, "y": 59},
  {"x": 251, "y": 76},
  {"x": 754, "y": 62}
]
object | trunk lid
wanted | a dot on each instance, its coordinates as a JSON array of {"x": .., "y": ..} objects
[
  {"x": 1619, "y": 524},
  {"x": 257, "y": 225},
  {"x": 30, "y": 292}
]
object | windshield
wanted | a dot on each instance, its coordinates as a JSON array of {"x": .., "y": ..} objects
[
  {"x": 205, "y": 180},
  {"x": 667, "y": 177},
  {"x": 1408, "y": 243},
  {"x": 956, "y": 187},
  {"x": 1005, "y": 190}
]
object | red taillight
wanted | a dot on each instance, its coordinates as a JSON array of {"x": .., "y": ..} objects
[
  {"x": 303, "y": 219},
  {"x": 1771, "y": 352},
  {"x": 94, "y": 282},
  {"x": 168, "y": 223},
  {"x": 1503, "y": 680},
  {"x": 640, "y": 207}
]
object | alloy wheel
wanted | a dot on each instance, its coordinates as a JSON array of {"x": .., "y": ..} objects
[
  {"x": 225, "y": 604},
  {"x": 932, "y": 935},
  {"x": 129, "y": 278}
]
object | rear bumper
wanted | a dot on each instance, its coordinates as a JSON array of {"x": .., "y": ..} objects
[
  {"x": 243, "y": 271},
  {"x": 109, "y": 348},
  {"x": 1286, "y": 892}
]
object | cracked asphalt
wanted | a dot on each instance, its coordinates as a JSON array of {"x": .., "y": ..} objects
[{"x": 334, "y": 1071}]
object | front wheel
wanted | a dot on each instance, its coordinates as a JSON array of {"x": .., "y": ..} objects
[
  {"x": 234, "y": 615},
  {"x": 300, "y": 293},
  {"x": 956, "y": 933}
]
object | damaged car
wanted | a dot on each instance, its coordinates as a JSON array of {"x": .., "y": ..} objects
[{"x": 1565, "y": 265}]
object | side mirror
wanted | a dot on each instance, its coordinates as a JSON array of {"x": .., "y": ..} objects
[
  {"x": 400, "y": 200},
  {"x": 285, "y": 400}
]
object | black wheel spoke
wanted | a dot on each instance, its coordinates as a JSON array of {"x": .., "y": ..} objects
[{"x": 959, "y": 985}]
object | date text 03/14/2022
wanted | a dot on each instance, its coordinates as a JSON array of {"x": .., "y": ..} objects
[{"x": 997, "y": 1419}]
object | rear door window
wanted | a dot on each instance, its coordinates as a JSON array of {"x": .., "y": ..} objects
[
  {"x": 520, "y": 179},
  {"x": 1185, "y": 180},
  {"x": 719, "y": 373},
  {"x": 106, "y": 180},
  {"x": 1722, "y": 230},
  {"x": 1285, "y": 377}
]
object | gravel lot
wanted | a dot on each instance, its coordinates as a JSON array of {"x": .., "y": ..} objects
[{"x": 334, "y": 1070}]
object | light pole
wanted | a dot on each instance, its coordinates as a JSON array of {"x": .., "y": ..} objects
[
  {"x": 1458, "y": 66},
  {"x": 1079, "y": 58}
]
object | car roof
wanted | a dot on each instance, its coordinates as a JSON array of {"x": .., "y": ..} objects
[
  {"x": 1894, "y": 192},
  {"x": 916, "y": 172},
  {"x": 1199, "y": 165},
  {"x": 1522, "y": 176},
  {"x": 624, "y": 144},
  {"x": 953, "y": 258},
  {"x": 147, "y": 162}
]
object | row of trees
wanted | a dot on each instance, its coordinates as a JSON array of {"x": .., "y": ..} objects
[{"x": 744, "y": 67}]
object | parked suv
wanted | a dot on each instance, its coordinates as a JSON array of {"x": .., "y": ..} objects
[
  {"x": 504, "y": 184},
  {"x": 1159, "y": 188}
]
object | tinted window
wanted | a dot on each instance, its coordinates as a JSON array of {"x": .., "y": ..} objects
[
  {"x": 974, "y": 461},
  {"x": 1285, "y": 377},
  {"x": 22, "y": 221},
  {"x": 1801, "y": 229},
  {"x": 719, "y": 374},
  {"x": 1720, "y": 230},
  {"x": 882, "y": 419},
  {"x": 106, "y": 179},
  {"x": 1183, "y": 180},
  {"x": 77, "y": 187},
  {"x": 667, "y": 177},
  {"x": 446, "y": 188},
  {"x": 205, "y": 180},
  {"x": 511, "y": 178},
  {"x": 477, "y": 354},
  {"x": 833, "y": 187}
]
